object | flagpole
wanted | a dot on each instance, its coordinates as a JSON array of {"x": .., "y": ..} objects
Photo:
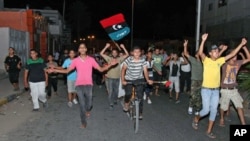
[
  {"x": 198, "y": 24},
  {"x": 132, "y": 24}
]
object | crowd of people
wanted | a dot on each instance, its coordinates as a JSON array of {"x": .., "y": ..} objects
[{"x": 209, "y": 78}]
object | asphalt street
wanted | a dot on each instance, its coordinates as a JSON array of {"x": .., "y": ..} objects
[{"x": 163, "y": 121}]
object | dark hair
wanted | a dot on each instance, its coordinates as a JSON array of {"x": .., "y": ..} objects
[
  {"x": 115, "y": 49},
  {"x": 136, "y": 47}
]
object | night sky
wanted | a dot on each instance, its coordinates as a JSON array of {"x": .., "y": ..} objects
[{"x": 153, "y": 19}]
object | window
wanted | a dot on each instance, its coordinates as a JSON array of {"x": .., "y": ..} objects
[
  {"x": 222, "y": 3},
  {"x": 210, "y": 7}
]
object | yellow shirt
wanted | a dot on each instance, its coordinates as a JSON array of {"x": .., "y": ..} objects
[{"x": 211, "y": 72}]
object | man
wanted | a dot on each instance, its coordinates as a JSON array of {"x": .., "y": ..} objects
[
  {"x": 13, "y": 66},
  {"x": 36, "y": 77},
  {"x": 134, "y": 70},
  {"x": 157, "y": 68},
  {"x": 114, "y": 73},
  {"x": 84, "y": 65},
  {"x": 211, "y": 82},
  {"x": 229, "y": 91},
  {"x": 185, "y": 77}
]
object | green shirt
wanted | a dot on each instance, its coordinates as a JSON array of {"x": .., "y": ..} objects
[
  {"x": 196, "y": 68},
  {"x": 158, "y": 59}
]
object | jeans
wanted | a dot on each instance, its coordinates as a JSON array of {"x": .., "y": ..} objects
[
  {"x": 138, "y": 90},
  {"x": 210, "y": 102},
  {"x": 113, "y": 87},
  {"x": 185, "y": 80},
  {"x": 84, "y": 93},
  {"x": 37, "y": 92}
]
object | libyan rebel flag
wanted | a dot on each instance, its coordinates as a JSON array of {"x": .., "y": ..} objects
[{"x": 115, "y": 26}]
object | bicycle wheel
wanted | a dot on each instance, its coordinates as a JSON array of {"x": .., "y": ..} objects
[
  {"x": 131, "y": 110},
  {"x": 136, "y": 116}
]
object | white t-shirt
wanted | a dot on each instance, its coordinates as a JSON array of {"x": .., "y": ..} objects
[{"x": 185, "y": 68}]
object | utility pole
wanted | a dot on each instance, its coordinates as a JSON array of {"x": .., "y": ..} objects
[
  {"x": 132, "y": 24},
  {"x": 198, "y": 24}
]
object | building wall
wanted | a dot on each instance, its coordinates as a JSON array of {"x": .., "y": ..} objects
[
  {"x": 229, "y": 22},
  {"x": 17, "y": 39}
]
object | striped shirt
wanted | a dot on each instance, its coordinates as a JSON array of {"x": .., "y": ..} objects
[{"x": 134, "y": 68}]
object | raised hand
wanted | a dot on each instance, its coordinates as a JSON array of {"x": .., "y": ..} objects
[
  {"x": 185, "y": 43},
  {"x": 204, "y": 36},
  {"x": 243, "y": 41}
]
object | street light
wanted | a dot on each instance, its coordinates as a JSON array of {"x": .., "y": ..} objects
[{"x": 91, "y": 37}]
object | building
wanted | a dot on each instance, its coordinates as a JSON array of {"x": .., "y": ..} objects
[{"x": 225, "y": 20}]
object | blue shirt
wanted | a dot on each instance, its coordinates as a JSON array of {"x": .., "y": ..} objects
[{"x": 71, "y": 75}]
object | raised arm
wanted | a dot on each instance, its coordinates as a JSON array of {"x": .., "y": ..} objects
[
  {"x": 102, "y": 53},
  {"x": 223, "y": 49},
  {"x": 125, "y": 50},
  {"x": 185, "y": 48},
  {"x": 201, "y": 48},
  {"x": 237, "y": 49},
  {"x": 246, "y": 60},
  {"x": 110, "y": 64},
  {"x": 184, "y": 62}
]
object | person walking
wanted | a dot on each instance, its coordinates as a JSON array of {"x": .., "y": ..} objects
[
  {"x": 114, "y": 73},
  {"x": 13, "y": 66},
  {"x": 35, "y": 76},
  {"x": 210, "y": 85},
  {"x": 52, "y": 77},
  {"x": 84, "y": 64},
  {"x": 229, "y": 90}
]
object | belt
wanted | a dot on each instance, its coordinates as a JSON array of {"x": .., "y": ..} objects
[
  {"x": 230, "y": 88},
  {"x": 211, "y": 88}
]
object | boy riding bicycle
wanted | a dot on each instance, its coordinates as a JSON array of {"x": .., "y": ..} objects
[{"x": 134, "y": 70}]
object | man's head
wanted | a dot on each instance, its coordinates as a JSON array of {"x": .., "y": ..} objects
[
  {"x": 157, "y": 51},
  {"x": 82, "y": 49},
  {"x": 34, "y": 53},
  {"x": 149, "y": 54},
  {"x": 11, "y": 50},
  {"x": 114, "y": 53},
  {"x": 136, "y": 52},
  {"x": 213, "y": 51}
]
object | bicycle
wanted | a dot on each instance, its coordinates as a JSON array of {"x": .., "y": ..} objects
[{"x": 135, "y": 101}]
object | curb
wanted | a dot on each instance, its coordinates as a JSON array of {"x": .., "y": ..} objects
[{"x": 11, "y": 97}]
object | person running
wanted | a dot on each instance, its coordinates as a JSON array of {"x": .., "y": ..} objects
[
  {"x": 84, "y": 65},
  {"x": 114, "y": 73},
  {"x": 174, "y": 64},
  {"x": 36, "y": 77},
  {"x": 52, "y": 78},
  {"x": 149, "y": 88},
  {"x": 13, "y": 66},
  {"x": 134, "y": 70},
  {"x": 229, "y": 91},
  {"x": 211, "y": 82}
]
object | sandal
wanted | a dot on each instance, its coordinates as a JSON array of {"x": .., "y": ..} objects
[
  {"x": 211, "y": 135},
  {"x": 222, "y": 124},
  {"x": 195, "y": 125}
]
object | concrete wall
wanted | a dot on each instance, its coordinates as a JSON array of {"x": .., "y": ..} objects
[{"x": 16, "y": 39}]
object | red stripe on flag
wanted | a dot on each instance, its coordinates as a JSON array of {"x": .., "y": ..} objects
[{"x": 115, "y": 19}]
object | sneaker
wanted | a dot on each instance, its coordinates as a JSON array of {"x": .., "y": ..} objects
[
  {"x": 190, "y": 110},
  {"x": 177, "y": 101},
  {"x": 140, "y": 117},
  {"x": 45, "y": 104},
  {"x": 75, "y": 101},
  {"x": 144, "y": 96},
  {"x": 149, "y": 101},
  {"x": 70, "y": 104},
  {"x": 196, "y": 113}
]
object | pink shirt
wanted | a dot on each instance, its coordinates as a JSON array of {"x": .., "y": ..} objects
[{"x": 84, "y": 70}]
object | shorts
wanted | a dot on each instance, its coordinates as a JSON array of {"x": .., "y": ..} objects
[
  {"x": 71, "y": 86},
  {"x": 13, "y": 77},
  {"x": 230, "y": 95},
  {"x": 175, "y": 83}
]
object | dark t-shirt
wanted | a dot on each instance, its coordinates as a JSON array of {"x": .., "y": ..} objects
[
  {"x": 229, "y": 74},
  {"x": 36, "y": 70},
  {"x": 12, "y": 63},
  {"x": 174, "y": 70}
]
